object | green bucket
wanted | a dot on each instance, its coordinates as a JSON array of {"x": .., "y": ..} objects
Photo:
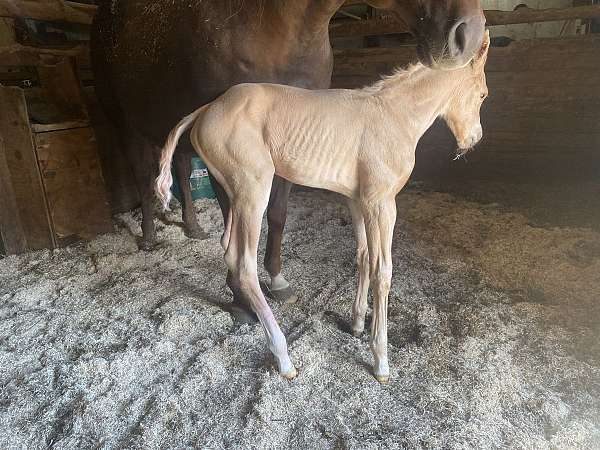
[{"x": 199, "y": 182}]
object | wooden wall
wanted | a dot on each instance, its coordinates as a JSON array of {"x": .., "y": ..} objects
[
  {"x": 541, "y": 122},
  {"x": 24, "y": 220}
]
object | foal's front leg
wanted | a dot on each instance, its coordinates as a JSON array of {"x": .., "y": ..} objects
[
  {"x": 359, "y": 308},
  {"x": 380, "y": 218}
]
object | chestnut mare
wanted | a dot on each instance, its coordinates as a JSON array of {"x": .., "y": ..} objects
[
  {"x": 188, "y": 53},
  {"x": 359, "y": 143}
]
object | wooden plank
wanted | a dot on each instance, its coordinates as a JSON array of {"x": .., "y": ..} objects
[
  {"x": 74, "y": 184},
  {"x": 388, "y": 25},
  {"x": 49, "y": 10},
  {"x": 23, "y": 55},
  {"x": 578, "y": 53},
  {"x": 22, "y": 164},
  {"x": 73, "y": 12},
  {"x": 44, "y": 128},
  {"x": 12, "y": 238},
  {"x": 530, "y": 15},
  {"x": 62, "y": 89},
  {"x": 16, "y": 76}
]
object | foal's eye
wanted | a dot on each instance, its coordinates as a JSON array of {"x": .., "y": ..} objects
[{"x": 483, "y": 96}]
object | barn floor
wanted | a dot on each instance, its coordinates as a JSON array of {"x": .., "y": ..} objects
[{"x": 494, "y": 338}]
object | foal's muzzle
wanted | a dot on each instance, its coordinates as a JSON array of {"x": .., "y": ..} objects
[{"x": 466, "y": 145}]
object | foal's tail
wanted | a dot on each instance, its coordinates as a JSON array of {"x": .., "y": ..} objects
[{"x": 165, "y": 178}]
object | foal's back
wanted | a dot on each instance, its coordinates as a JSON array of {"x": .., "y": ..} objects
[{"x": 313, "y": 138}]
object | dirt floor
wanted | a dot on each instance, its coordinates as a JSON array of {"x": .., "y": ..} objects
[{"x": 494, "y": 338}]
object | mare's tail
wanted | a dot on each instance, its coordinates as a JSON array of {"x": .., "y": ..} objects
[{"x": 165, "y": 178}]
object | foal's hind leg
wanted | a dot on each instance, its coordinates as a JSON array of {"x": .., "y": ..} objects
[
  {"x": 240, "y": 308},
  {"x": 246, "y": 212},
  {"x": 359, "y": 309}
]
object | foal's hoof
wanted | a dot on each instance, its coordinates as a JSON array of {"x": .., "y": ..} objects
[
  {"x": 357, "y": 333},
  {"x": 241, "y": 314},
  {"x": 383, "y": 379},
  {"x": 285, "y": 295},
  {"x": 196, "y": 233},
  {"x": 290, "y": 374}
]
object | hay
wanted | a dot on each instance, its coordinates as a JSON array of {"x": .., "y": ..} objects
[{"x": 494, "y": 328}]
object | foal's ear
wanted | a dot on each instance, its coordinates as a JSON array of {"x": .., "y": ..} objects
[{"x": 481, "y": 56}]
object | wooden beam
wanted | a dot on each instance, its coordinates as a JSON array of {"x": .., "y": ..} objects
[
  {"x": 73, "y": 12},
  {"x": 529, "y": 15},
  {"x": 387, "y": 24},
  {"x": 49, "y": 10},
  {"x": 22, "y": 55},
  {"x": 12, "y": 238},
  {"x": 580, "y": 53}
]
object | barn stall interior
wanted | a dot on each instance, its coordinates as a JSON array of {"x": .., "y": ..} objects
[{"x": 494, "y": 314}]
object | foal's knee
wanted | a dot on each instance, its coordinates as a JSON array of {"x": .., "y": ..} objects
[{"x": 381, "y": 277}]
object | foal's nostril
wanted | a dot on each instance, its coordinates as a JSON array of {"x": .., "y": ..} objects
[{"x": 457, "y": 39}]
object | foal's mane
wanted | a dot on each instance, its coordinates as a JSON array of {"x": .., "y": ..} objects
[{"x": 399, "y": 74}]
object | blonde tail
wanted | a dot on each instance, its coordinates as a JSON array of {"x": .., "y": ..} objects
[{"x": 165, "y": 178}]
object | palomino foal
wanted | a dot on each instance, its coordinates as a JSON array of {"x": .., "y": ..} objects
[{"x": 359, "y": 143}]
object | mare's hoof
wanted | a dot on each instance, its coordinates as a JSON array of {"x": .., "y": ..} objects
[
  {"x": 196, "y": 233},
  {"x": 383, "y": 379},
  {"x": 147, "y": 245},
  {"x": 290, "y": 374},
  {"x": 241, "y": 314},
  {"x": 285, "y": 295}
]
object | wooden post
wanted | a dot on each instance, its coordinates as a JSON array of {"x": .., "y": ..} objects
[
  {"x": 12, "y": 238},
  {"x": 22, "y": 171}
]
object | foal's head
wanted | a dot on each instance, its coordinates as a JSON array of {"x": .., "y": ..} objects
[{"x": 462, "y": 112}]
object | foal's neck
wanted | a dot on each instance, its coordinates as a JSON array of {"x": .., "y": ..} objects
[{"x": 417, "y": 96}]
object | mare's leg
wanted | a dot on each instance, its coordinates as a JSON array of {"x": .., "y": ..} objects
[
  {"x": 222, "y": 197},
  {"x": 140, "y": 154},
  {"x": 241, "y": 243},
  {"x": 380, "y": 218},
  {"x": 240, "y": 309},
  {"x": 183, "y": 167},
  {"x": 359, "y": 309},
  {"x": 278, "y": 287}
]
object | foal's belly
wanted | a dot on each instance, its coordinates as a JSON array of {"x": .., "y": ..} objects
[{"x": 319, "y": 170}]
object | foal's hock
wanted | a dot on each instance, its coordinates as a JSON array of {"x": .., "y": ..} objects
[{"x": 359, "y": 143}]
